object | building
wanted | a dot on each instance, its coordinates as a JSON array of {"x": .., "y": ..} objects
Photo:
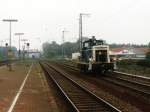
[
  {"x": 140, "y": 52},
  {"x": 75, "y": 56},
  {"x": 128, "y": 53}
]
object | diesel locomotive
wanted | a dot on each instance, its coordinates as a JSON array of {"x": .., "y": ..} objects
[{"x": 95, "y": 56}]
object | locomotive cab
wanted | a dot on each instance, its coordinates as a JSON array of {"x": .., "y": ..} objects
[
  {"x": 95, "y": 56},
  {"x": 100, "y": 54}
]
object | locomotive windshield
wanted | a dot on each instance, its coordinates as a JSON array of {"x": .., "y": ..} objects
[{"x": 101, "y": 55}]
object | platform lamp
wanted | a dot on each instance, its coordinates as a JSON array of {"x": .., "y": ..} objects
[
  {"x": 19, "y": 35},
  {"x": 10, "y": 21},
  {"x": 10, "y": 50},
  {"x": 80, "y": 28},
  {"x": 63, "y": 41}
]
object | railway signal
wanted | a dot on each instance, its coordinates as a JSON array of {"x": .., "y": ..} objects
[
  {"x": 28, "y": 44},
  {"x": 8, "y": 55}
]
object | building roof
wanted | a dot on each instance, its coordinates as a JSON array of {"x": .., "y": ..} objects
[
  {"x": 145, "y": 50},
  {"x": 117, "y": 49}
]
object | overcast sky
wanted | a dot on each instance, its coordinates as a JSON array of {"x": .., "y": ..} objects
[{"x": 116, "y": 21}]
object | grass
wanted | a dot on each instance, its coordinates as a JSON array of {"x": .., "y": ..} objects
[{"x": 135, "y": 69}]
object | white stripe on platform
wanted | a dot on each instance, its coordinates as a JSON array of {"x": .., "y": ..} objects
[{"x": 19, "y": 92}]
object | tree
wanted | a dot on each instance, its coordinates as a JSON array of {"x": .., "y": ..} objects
[
  {"x": 149, "y": 45},
  {"x": 148, "y": 53},
  {"x": 51, "y": 50}
]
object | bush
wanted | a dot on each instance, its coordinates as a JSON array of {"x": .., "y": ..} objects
[
  {"x": 148, "y": 55},
  {"x": 144, "y": 63}
]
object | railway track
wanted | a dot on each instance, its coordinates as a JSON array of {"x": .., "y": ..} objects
[
  {"x": 79, "y": 97},
  {"x": 134, "y": 86},
  {"x": 140, "y": 79},
  {"x": 134, "y": 83},
  {"x": 117, "y": 74}
]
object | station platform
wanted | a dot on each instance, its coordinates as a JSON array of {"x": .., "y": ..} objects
[{"x": 24, "y": 89}]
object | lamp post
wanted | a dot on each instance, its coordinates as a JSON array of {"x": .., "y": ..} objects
[
  {"x": 2, "y": 43},
  {"x": 10, "y": 21},
  {"x": 19, "y": 34},
  {"x": 10, "y": 50},
  {"x": 80, "y": 28},
  {"x": 63, "y": 40}
]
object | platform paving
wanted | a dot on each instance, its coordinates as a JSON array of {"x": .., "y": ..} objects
[
  {"x": 35, "y": 95},
  {"x": 9, "y": 84}
]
